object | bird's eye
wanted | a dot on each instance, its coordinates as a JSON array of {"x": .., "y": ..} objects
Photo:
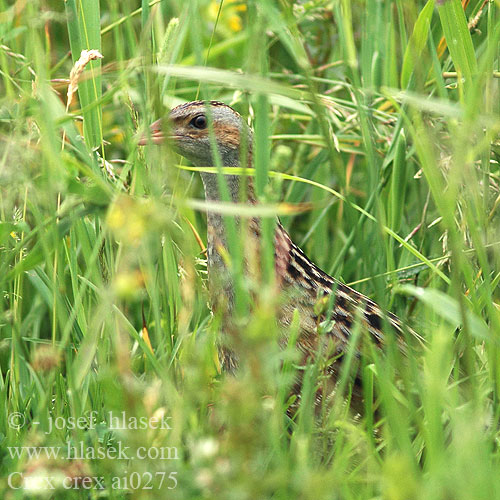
[{"x": 199, "y": 122}]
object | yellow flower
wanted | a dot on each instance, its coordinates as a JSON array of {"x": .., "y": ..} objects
[
  {"x": 229, "y": 18},
  {"x": 128, "y": 284},
  {"x": 128, "y": 219},
  {"x": 116, "y": 217},
  {"x": 235, "y": 23}
]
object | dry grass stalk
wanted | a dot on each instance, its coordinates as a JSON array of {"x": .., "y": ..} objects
[{"x": 85, "y": 57}]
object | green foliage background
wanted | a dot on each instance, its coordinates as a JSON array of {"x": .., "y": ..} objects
[{"x": 376, "y": 141}]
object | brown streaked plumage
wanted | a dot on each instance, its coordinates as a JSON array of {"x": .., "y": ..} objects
[{"x": 302, "y": 282}]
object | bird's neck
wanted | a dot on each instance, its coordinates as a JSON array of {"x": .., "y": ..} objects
[
  {"x": 212, "y": 186},
  {"x": 239, "y": 188}
]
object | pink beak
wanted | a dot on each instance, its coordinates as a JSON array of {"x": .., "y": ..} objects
[{"x": 156, "y": 135}]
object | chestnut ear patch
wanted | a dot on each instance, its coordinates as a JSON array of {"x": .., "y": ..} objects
[{"x": 228, "y": 135}]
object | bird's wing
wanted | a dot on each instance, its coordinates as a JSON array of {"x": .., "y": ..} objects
[{"x": 330, "y": 304}]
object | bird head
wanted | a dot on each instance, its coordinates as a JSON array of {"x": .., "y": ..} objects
[{"x": 189, "y": 128}]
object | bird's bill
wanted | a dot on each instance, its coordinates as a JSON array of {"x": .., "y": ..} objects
[{"x": 155, "y": 136}]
